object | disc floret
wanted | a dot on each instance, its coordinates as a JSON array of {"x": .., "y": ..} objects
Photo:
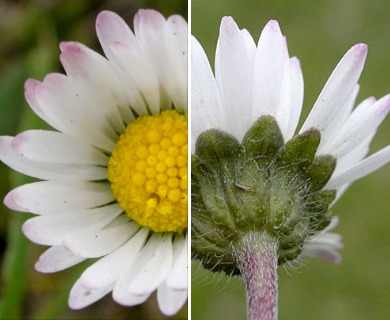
[{"x": 148, "y": 171}]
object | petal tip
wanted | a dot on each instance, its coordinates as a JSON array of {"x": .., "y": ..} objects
[
  {"x": 9, "y": 201},
  {"x": 18, "y": 142},
  {"x": 295, "y": 62},
  {"x": 106, "y": 18},
  {"x": 228, "y": 26},
  {"x": 273, "y": 25},
  {"x": 29, "y": 91},
  {"x": 26, "y": 229},
  {"x": 386, "y": 109},
  {"x": 360, "y": 50},
  {"x": 42, "y": 266},
  {"x": 149, "y": 15},
  {"x": 227, "y": 19},
  {"x": 104, "y": 15},
  {"x": 70, "y": 46}
]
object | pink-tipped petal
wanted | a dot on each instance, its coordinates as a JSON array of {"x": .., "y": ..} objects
[
  {"x": 146, "y": 21},
  {"x": 60, "y": 103},
  {"x": 332, "y": 133},
  {"x": 337, "y": 89},
  {"x": 360, "y": 170},
  {"x": 50, "y": 229},
  {"x": 155, "y": 271},
  {"x": 295, "y": 97},
  {"x": 97, "y": 243},
  {"x": 52, "y": 197},
  {"x": 110, "y": 28},
  {"x": 170, "y": 300},
  {"x": 30, "y": 87},
  {"x": 108, "y": 269},
  {"x": 47, "y": 171},
  {"x": 270, "y": 74},
  {"x": 121, "y": 293},
  {"x": 325, "y": 245},
  {"x": 142, "y": 74},
  {"x": 99, "y": 85},
  {"x": 81, "y": 297},
  {"x": 205, "y": 97},
  {"x": 55, "y": 147},
  {"x": 55, "y": 259},
  {"x": 233, "y": 75},
  {"x": 159, "y": 44},
  {"x": 363, "y": 122},
  {"x": 178, "y": 276}
]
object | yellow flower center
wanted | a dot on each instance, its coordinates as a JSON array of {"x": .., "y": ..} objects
[{"x": 148, "y": 171}]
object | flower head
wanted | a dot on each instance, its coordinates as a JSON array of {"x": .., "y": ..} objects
[
  {"x": 252, "y": 169},
  {"x": 116, "y": 168}
]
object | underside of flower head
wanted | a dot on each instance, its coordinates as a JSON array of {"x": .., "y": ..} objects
[
  {"x": 260, "y": 185},
  {"x": 287, "y": 186}
]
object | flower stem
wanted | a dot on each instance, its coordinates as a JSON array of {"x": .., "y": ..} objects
[{"x": 257, "y": 259}]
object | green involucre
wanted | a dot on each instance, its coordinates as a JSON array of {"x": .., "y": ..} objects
[{"x": 262, "y": 185}]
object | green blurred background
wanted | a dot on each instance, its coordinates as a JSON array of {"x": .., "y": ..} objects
[
  {"x": 30, "y": 32},
  {"x": 319, "y": 32}
]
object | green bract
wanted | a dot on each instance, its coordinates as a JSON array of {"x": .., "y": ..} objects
[{"x": 261, "y": 185}]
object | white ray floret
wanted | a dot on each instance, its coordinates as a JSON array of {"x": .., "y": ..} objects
[{"x": 145, "y": 73}]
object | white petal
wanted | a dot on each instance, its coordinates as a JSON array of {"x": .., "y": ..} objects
[
  {"x": 60, "y": 104},
  {"x": 94, "y": 78},
  {"x": 362, "y": 169},
  {"x": 55, "y": 259},
  {"x": 48, "y": 171},
  {"x": 205, "y": 97},
  {"x": 296, "y": 97},
  {"x": 154, "y": 36},
  {"x": 249, "y": 43},
  {"x": 97, "y": 243},
  {"x": 269, "y": 73},
  {"x": 49, "y": 230},
  {"x": 363, "y": 122},
  {"x": 110, "y": 28},
  {"x": 155, "y": 271},
  {"x": 234, "y": 77},
  {"x": 177, "y": 38},
  {"x": 325, "y": 245},
  {"x": 131, "y": 300},
  {"x": 177, "y": 278},
  {"x": 109, "y": 268},
  {"x": 81, "y": 297},
  {"x": 324, "y": 252},
  {"x": 169, "y": 300},
  {"x": 30, "y": 87},
  {"x": 121, "y": 293},
  {"x": 50, "y": 197},
  {"x": 332, "y": 132},
  {"x": 55, "y": 147},
  {"x": 142, "y": 74},
  {"x": 354, "y": 156},
  {"x": 283, "y": 110},
  {"x": 337, "y": 89}
]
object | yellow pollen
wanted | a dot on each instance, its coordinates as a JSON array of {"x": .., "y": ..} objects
[{"x": 148, "y": 171}]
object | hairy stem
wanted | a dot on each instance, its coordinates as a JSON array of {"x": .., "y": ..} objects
[{"x": 256, "y": 256}]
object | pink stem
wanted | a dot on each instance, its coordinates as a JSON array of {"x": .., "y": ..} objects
[{"x": 256, "y": 255}]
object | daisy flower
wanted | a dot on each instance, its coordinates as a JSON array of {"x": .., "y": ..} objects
[
  {"x": 261, "y": 188},
  {"x": 115, "y": 169}
]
